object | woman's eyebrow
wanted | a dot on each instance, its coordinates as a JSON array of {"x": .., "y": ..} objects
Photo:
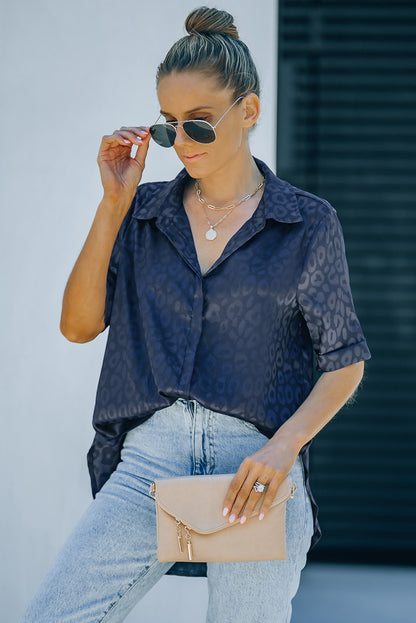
[{"x": 188, "y": 112}]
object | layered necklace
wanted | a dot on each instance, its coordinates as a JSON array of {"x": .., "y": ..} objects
[{"x": 211, "y": 234}]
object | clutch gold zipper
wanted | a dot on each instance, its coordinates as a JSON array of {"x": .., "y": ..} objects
[
  {"x": 179, "y": 527},
  {"x": 188, "y": 541},
  {"x": 179, "y": 534}
]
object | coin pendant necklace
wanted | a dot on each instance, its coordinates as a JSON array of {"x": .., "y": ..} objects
[{"x": 211, "y": 234}]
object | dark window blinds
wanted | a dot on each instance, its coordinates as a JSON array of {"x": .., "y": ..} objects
[{"x": 347, "y": 132}]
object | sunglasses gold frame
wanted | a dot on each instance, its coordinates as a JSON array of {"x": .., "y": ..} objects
[{"x": 176, "y": 124}]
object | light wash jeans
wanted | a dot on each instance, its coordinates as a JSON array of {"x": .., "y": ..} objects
[{"x": 109, "y": 562}]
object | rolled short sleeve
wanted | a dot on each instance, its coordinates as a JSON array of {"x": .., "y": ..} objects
[{"x": 325, "y": 299}]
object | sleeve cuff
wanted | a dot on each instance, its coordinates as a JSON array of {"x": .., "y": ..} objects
[{"x": 343, "y": 357}]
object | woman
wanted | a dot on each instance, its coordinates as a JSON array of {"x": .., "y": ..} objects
[{"x": 217, "y": 286}]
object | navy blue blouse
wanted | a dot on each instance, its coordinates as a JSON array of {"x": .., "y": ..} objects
[{"x": 239, "y": 339}]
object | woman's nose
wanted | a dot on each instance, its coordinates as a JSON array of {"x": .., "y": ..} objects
[{"x": 181, "y": 136}]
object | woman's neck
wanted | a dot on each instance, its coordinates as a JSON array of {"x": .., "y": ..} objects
[{"x": 231, "y": 182}]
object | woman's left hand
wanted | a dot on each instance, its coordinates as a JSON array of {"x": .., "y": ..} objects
[{"x": 270, "y": 465}]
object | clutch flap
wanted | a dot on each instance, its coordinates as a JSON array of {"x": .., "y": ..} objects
[{"x": 197, "y": 501}]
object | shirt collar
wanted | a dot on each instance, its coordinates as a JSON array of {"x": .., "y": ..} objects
[{"x": 278, "y": 202}]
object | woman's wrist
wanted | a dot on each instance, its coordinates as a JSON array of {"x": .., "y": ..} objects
[
  {"x": 115, "y": 205},
  {"x": 291, "y": 440}
]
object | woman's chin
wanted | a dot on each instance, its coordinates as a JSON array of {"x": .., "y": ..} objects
[{"x": 193, "y": 169}]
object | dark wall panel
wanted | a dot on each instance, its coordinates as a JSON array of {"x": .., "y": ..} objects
[{"x": 347, "y": 132}]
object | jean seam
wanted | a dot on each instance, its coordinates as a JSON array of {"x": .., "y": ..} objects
[
  {"x": 128, "y": 589},
  {"x": 211, "y": 442},
  {"x": 196, "y": 461},
  {"x": 305, "y": 499},
  {"x": 300, "y": 484}
]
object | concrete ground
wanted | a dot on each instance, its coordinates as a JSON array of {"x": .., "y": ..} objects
[
  {"x": 328, "y": 593},
  {"x": 331, "y": 593}
]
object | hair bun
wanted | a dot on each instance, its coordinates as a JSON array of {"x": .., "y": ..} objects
[{"x": 204, "y": 20}]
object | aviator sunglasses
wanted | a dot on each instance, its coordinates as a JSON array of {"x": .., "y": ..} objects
[{"x": 198, "y": 130}]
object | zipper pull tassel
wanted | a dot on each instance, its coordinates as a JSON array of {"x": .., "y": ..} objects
[
  {"x": 179, "y": 535},
  {"x": 188, "y": 541}
]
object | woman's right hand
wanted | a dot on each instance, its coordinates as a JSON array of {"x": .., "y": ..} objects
[{"x": 120, "y": 172}]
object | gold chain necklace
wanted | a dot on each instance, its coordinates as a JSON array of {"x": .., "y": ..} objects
[{"x": 211, "y": 234}]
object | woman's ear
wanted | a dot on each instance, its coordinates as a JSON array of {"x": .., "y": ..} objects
[{"x": 250, "y": 110}]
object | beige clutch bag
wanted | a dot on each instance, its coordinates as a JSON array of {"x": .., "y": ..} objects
[{"x": 190, "y": 525}]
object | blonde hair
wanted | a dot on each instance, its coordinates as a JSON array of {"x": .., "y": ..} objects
[{"x": 213, "y": 47}]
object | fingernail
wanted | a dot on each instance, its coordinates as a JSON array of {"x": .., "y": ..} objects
[
  {"x": 126, "y": 141},
  {"x": 145, "y": 132},
  {"x": 232, "y": 517},
  {"x": 139, "y": 140},
  {"x": 225, "y": 511},
  {"x": 243, "y": 519},
  {"x": 261, "y": 516}
]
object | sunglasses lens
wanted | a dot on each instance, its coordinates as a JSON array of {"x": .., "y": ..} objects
[
  {"x": 199, "y": 131},
  {"x": 163, "y": 134}
]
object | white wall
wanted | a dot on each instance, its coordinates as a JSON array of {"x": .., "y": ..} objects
[{"x": 72, "y": 71}]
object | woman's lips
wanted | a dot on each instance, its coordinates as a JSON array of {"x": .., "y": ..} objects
[{"x": 193, "y": 158}]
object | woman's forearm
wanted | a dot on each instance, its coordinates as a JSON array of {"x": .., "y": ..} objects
[
  {"x": 83, "y": 305},
  {"x": 273, "y": 461},
  {"x": 330, "y": 393}
]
